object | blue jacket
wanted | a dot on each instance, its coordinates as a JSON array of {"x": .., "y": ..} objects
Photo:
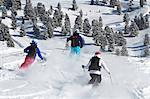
[{"x": 32, "y": 50}]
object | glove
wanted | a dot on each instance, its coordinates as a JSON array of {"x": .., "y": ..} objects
[
  {"x": 44, "y": 59},
  {"x": 67, "y": 45},
  {"x": 83, "y": 66}
]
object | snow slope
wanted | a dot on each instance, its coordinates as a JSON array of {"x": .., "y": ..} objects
[{"x": 61, "y": 76}]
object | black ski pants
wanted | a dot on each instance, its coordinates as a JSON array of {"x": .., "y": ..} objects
[{"x": 95, "y": 79}]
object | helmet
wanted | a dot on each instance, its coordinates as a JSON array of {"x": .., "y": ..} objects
[
  {"x": 77, "y": 31},
  {"x": 97, "y": 53},
  {"x": 34, "y": 42}
]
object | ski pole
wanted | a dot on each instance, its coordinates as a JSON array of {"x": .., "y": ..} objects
[
  {"x": 111, "y": 79},
  {"x": 83, "y": 67}
]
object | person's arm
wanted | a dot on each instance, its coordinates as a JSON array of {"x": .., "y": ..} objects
[
  {"x": 68, "y": 39},
  {"x": 81, "y": 41},
  {"x": 104, "y": 66},
  {"x": 26, "y": 50},
  {"x": 67, "y": 44},
  {"x": 39, "y": 53},
  {"x": 87, "y": 66}
]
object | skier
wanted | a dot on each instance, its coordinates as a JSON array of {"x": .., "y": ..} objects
[
  {"x": 94, "y": 67},
  {"x": 76, "y": 43},
  {"x": 31, "y": 51}
]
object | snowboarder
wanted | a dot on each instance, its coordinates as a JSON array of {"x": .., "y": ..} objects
[
  {"x": 94, "y": 67},
  {"x": 31, "y": 51},
  {"x": 77, "y": 42}
]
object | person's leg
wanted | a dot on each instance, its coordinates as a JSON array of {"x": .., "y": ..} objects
[
  {"x": 99, "y": 78},
  {"x": 28, "y": 61},
  {"x": 93, "y": 78},
  {"x": 72, "y": 50},
  {"x": 78, "y": 50}
]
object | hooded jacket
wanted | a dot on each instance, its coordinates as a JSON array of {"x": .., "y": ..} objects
[
  {"x": 76, "y": 40},
  {"x": 32, "y": 50}
]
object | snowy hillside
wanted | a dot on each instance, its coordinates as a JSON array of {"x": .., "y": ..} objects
[{"x": 61, "y": 76}]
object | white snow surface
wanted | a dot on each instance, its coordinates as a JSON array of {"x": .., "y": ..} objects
[{"x": 61, "y": 76}]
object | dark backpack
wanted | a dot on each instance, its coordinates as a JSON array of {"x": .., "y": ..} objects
[
  {"x": 95, "y": 64},
  {"x": 75, "y": 41}
]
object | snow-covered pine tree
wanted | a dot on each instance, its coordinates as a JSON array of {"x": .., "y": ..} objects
[
  {"x": 14, "y": 20},
  {"x": 121, "y": 39},
  {"x": 74, "y": 5},
  {"x": 111, "y": 47},
  {"x": 130, "y": 6},
  {"x": 44, "y": 18},
  {"x": 50, "y": 11},
  {"x": 45, "y": 35},
  {"x": 1, "y": 31},
  {"x": 133, "y": 29},
  {"x": 97, "y": 2},
  {"x": 50, "y": 31},
  {"x": 108, "y": 30},
  {"x": 67, "y": 24},
  {"x": 1, "y": 35},
  {"x": 10, "y": 43},
  {"x": 124, "y": 51},
  {"x": 117, "y": 52},
  {"x": 86, "y": 26},
  {"x": 49, "y": 28},
  {"x": 59, "y": 6},
  {"x": 92, "y": 2},
  {"x": 95, "y": 27},
  {"x": 58, "y": 16},
  {"x": 29, "y": 11},
  {"x": 7, "y": 3},
  {"x": 146, "y": 51},
  {"x": 41, "y": 10},
  {"x": 6, "y": 34},
  {"x": 99, "y": 35},
  {"x": 141, "y": 22},
  {"x": 55, "y": 22},
  {"x": 119, "y": 8},
  {"x": 113, "y": 3},
  {"x": 146, "y": 21},
  {"x": 22, "y": 31},
  {"x": 96, "y": 32},
  {"x": 103, "y": 42},
  {"x": 110, "y": 38},
  {"x": 104, "y": 1},
  {"x": 100, "y": 22},
  {"x": 63, "y": 30},
  {"x": 136, "y": 20},
  {"x": 81, "y": 13},
  {"x": 141, "y": 3},
  {"x": 1, "y": 2},
  {"x": 4, "y": 12},
  {"x": 146, "y": 40},
  {"x": 36, "y": 30},
  {"x": 126, "y": 29},
  {"x": 126, "y": 18},
  {"x": 13, "y": 11},
  {"x": 16, "y": 4},
  {"x": 78, "y": 23}
]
